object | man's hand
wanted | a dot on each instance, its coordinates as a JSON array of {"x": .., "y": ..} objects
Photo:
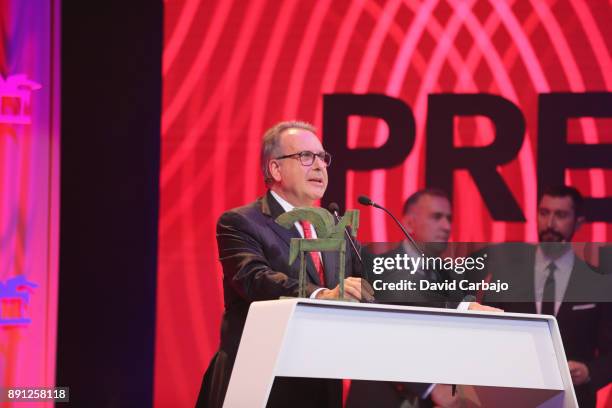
[
  {"x": 442, "y": 397},
  {"x": 579, "y": 372},
  {"x": 354, "y": 288},
  {"x": 483, "y": 308}
]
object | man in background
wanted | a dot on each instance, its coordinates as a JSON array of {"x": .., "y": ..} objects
[
  {"x": 549, "y": 278},
  {"x": 427, "y": 216}
]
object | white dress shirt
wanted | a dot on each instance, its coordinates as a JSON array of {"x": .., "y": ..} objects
[
  {"x": 564, "y": 265},
  {"x": 287, "y": 206}
]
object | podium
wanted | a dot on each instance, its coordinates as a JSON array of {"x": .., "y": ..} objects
[{"x": 506, "y": 359}]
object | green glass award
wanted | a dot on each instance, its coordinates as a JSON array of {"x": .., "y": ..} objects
[{"x": 330, "y": 237}]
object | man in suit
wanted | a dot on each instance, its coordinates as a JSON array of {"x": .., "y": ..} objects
[
  {"x": 427, "y": 216},
  {"x": 550, "y": 279},
  {"x": 254, "y": 250}
]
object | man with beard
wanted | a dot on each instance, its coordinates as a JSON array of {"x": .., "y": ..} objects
[
  {"x": 550, "y": 279},
  {"x": 427, "y": 216}
]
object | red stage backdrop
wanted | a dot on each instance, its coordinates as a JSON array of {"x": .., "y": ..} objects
[{"x": 231, "y": 69}]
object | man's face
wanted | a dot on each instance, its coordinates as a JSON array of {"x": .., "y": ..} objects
[
  {"x": 557, "y": 220},
  {"x": 298, "y": 184},
  {"x": 429, "y": 220}
]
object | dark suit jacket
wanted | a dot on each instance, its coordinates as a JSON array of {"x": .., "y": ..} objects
[
  {"x": 253, "y": 250},
  {"x": 586, "y": 327}
]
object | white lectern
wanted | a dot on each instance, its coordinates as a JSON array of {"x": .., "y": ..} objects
[{"x": 511, "y": 359}]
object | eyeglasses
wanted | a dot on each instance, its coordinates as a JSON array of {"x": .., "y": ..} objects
[{"x": 307, "y": 158}]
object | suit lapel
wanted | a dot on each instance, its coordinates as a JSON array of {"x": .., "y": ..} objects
[
  {"x": 573, "y": 283},
  {"x": 271, "y": 208},
  {"x": 574, "y": 289},
  {"x": 530, "y": 264},
  {"x": 330, "y": 267}
]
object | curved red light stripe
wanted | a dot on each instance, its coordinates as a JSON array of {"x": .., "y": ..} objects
[
  {"x": 192, "y": 284},
  {"x": 175, "y": 339},
  {"x": 361, "y": 85},
  {"x": 197, "y": 182},
  {"x": 262, "y": 89},
  {"x": 427, "y": 83},
  {"x": 303, "y": 60},
  {"x": 524, "y": 47},
  {"x": 367, "y": 64},
  {"x": 394, "y": 82},
  {"x": 226, "y": 125},
  {"x": 502, "y": 79},
  {"x": 475, "y": 55},
  {"x": 576, "y": 84},
  {"x": 423, "y": 18},
  {"x": 332, "y": 69},
  {"x": 560, "y": 45},
  {"x": 202, "y": 59},
  {"x": 187, "y": 144},
  {"x": 181, "y": 28},
  {"x": 598, "y": 45},
  {"x": 337, "y": 54}
]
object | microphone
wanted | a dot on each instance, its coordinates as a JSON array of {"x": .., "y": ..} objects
[
  {"x": 366, "y": 201},
  {"x": 334, "y": 208}
]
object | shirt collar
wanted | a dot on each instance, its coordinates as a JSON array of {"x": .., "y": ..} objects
[
  {"x": 564, "y": 263},
  {"x": 283, "y": 203},
  {"x": 287, "y": 206}
]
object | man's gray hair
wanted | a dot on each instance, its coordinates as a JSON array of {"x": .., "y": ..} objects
[{"x": 270, "y": 147}]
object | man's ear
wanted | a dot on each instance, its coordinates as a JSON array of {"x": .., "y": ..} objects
[
  {"x": 274, "y": 168},
  {"x": 408, "y": 221}
]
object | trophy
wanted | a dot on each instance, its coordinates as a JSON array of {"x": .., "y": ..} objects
[{"x": 330, "y": 237}]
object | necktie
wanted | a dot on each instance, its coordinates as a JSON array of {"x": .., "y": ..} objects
[
  {"x": 316, "y": 258},
  {"x": 548, "y": 300}
]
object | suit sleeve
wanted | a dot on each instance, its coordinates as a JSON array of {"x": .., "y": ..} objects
[
  {"x": 600, "y": 369},
  {"x": 245, "y": 266}
]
